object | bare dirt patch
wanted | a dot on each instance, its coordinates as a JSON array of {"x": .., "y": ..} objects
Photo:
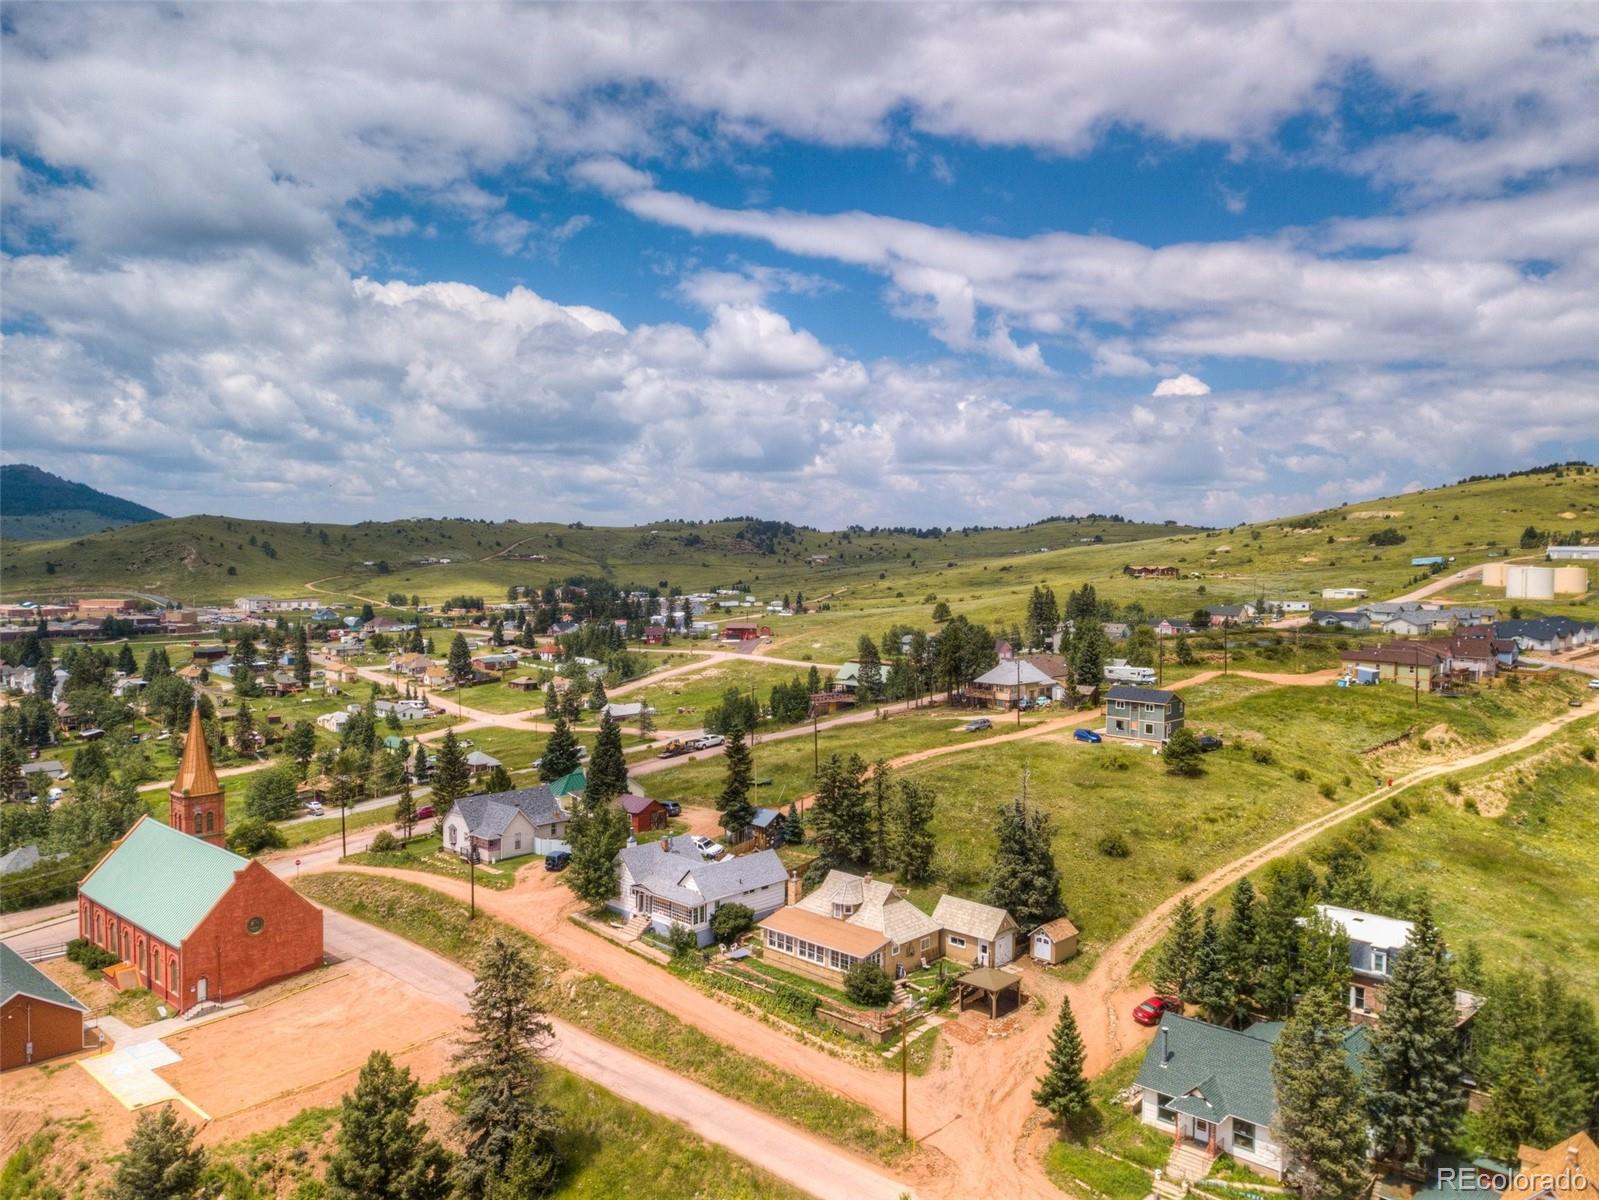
[
  {"x": 1309, "y": 558},
  {"x": 1375, "y": 514},
  {"x": 302, "y": 1049},
  {"x": 1567, "y": 516}
]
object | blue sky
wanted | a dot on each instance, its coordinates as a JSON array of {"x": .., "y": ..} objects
[{"x": 881, "y": 263}]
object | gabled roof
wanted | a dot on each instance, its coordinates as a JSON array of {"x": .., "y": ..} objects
[
  {"x": 1565, "y": 1171},
  {"x": 1231, "y": 1070},
  {"x": 633, "y": 805},
  {"x": 477, "y": 758},
  {"x": 162, "y": 880},
  {"x": 674, "y": 870},
  {"x": 196, "y": 776},
  {"x": 1059, "y": 928},
  {"x": 969, "y": 917},
  {"x": 19, "y": 859},
  {"x": 1126, "y": 691},
  {"x": 765, "y": 816},
  {"x": 567, "y": 784},
  {"x": 489, "y": 814},
  {"x": 877, "y": 906},
  {"x": 19, "y": 977}
]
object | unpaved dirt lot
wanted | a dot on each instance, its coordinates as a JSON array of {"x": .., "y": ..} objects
[{"x": 302, "y": 1050}]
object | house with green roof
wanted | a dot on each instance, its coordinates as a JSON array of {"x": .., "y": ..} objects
[
  {"x": 193, "y": 922},
  {"x": 39, "y": 1019},
  {"x": 1212, "y": 1090}
]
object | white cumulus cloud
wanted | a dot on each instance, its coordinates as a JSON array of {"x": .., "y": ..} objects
[{"x": 1182, "y": 385}]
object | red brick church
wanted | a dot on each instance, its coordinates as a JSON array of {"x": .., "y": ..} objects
[{"x": 190, "y": 920}]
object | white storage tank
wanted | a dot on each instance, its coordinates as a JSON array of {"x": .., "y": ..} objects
[
  {"x": 1493, "y": 574},
  {"x": 1570, "y": 581},
  {"x": 1530, "y": 583}
]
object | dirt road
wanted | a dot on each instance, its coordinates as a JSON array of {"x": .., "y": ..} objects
[{"x": 790, "y": 1153}]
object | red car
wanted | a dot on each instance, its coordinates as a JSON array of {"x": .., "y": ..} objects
[
  {"x": 425, "y": 813},
  {"x": 1150, "y": 1011}
]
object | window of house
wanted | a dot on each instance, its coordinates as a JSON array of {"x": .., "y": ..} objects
[
  {"x": 210, "y": 822},
  {"x": 893, "y": 949},
  {"x": 1164, "y": 1113},
  {"x": 1148, "y": 728},
  {"x": 255, "y": 925},
  {"x": 519, "y": 841},
  {"x": 451, "y": 832},
  {"x": 927, "y": 944},
  {"x": 172, "y": 973},
  {"x": 958, "y": 942},
  {"x": 1379, "y": 961},
  {"x": 1243, "y": 1135},
  {"x": 1357, "y": 996}
]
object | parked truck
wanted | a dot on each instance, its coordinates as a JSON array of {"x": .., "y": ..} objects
[{"x": 1119, "y": 670}]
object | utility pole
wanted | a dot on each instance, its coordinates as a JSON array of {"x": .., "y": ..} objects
[
  {"x": 1224, "y": 646},
  {"x": 344, "y": 845},
  {"x": 816, "y": 746},
  {"x": 471, "y": 866},
  {"x": 1160, "y": 659}
]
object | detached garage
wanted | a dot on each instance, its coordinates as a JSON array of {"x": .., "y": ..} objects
[
  {"x": 39, "y": 1019},
  {"x": 975, "y": 933}
]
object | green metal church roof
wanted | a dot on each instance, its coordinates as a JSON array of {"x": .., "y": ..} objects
[
  {"x": 19, "y": 977},
  {"x": 162, "y": 880}
]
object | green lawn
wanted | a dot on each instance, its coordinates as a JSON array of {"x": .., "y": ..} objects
[
  {"x": 1178, "y": 829},
  {"x": 788, "y": 763},
  {"x": 1075, "y": 1160},
  {"x": 441, "y": 925},
  {"x": 1517, "y": 874},
  {"x": 422, "y": 853},
  {"x": 700, "y": 691}
]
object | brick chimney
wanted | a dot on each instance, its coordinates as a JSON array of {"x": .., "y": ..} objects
[{"x": 792, "y": 892}]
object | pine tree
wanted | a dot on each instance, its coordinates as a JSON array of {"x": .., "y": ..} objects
[
  {"x": 1177, "y": 967},
  {"x": 160, "y": 1161},
  {"x": 497, "y": 780},
  {"x": 597, "y": 699},
  {"x": 126, "y": 663},
  {"x": 460, "y": 660},
  {"x": 244, "y": 729},
  {"x": 419, "y": 764},
  {"x": 1414, "y": 1098},
  {"x": 595, "y": 833},
  {"x": 13, "y": 783},
  {"x": 451, "y": 778},
  {"x": 1185, "y": 652},
  {"x": 1182, "y": 754},
  {"x": 560, "y": 757},
  {"x": 1212, "y": 989},
  {"x": 507, "y": 1132},
  {"x": 881, "y": 801},
  {"x": 838, "y": 821},
  {"x": 913, "y": 842},
  {"x": 646, "y": 718},
  {"x": 1239, "y": 947},
  {"x": 405, "y": 810},
  {"x": 382, "y": 1152},
  {"x": 793, "y": 827},
  {"x": 1064, "y": 1090},
  {"x": 734, "y": 802},
  {"x": 1319, "y": 1119},
  {"x": 552, "y": 701},
  {"x": 607, "y": 770},
  {"x": 302, "y": 657},
  {"x": 1025, "y": 880},
  {"x": 869, "y": 679}
]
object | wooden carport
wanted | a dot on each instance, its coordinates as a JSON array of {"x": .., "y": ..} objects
[{"x": 993, "y": 984}]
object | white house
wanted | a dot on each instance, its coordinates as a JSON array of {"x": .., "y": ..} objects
[
  {"x": 334, "y": 722},
  {"x": 669, "y": 883},
  {"x": 507, "y": 824}
]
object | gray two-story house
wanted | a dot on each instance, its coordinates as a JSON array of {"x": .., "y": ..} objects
[{"x": 1143, "y": 714}]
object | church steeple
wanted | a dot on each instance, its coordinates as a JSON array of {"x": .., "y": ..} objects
[{"x": 197, "y": 799}]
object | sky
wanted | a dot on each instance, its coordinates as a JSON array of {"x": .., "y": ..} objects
[{"x": 836, "y": 264}]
